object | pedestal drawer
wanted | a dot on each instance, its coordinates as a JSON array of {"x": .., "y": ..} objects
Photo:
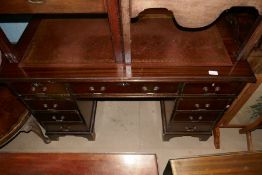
[
  {"x": 66, "y": 127},
  {"x": 216, "y": 88},
  {"x": 196, "y": 116},
  {"x": 39, "y": 88},
  {"x": 189, "y": 127},
  {"x": 204, "y": 103},
  {"x": 61, "y": 116},
  {"x": 50, "y": 104}
]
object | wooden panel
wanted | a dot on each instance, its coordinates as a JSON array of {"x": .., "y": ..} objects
[
  {"x": 52, "y": 6},
  {"x": 114, "y": 17},
  {"x": 227, "y": 164},
  {"x": 78, "y": 164}
]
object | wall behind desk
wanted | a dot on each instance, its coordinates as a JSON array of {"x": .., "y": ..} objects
[{"x": 13, "y": 31}]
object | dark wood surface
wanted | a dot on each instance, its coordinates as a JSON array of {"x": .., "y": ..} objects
[
  {"x": 12, "y": 115},
  {"x": 227, "y": 164},
  {"x": 78, "y": 164},
  {"x": 52, "y": 6}
]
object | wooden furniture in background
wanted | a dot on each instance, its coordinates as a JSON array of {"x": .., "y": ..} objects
[
  {"x": 77, "y": 164},
  {"x": 248, "y": 129},
  {"x": 256, "y": 64},
  {"x": 65, "y": 62},
  {"x": 15, "y": 118},
  {"x": 227, "y": 164}
]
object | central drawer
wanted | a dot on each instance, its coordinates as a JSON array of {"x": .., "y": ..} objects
[{"x": 124, "y": 87}]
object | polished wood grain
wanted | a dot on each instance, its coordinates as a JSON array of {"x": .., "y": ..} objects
[
  {"x": 114, "y": 16},
  {"x": 52, "y": 6},
  {"x": 13, "y": 115},
  {"x": 78, "y": 164},
  {"x": 227, "y": 164}
]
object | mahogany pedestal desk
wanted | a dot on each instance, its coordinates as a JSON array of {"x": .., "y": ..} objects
[{"x": 74, "y": 53}]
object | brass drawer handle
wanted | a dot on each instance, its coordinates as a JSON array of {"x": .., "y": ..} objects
[
  {"x": 103, "y": 88},
  {"x": 144, "y": 88},
  {"x": 65, "y": 128},
  {"x": 36, "y": 1},
  {"x": 44, "y": 89},
  {"x": 124, "y": 84},
  {"x": 200, "y": 117},
  {"x": 54, "y": 106},
  {"x": 91, "y": 88},
  {"x": 217, "y": 89},
  {"x": 156, "y": 88},
  {"x": 205, "y": 89},
  {"x": 58, "y": 120},
  {"x": 192, "y": 118},
  {"x": 207, "y": 105},
  {"x": 191, "y": 129}
]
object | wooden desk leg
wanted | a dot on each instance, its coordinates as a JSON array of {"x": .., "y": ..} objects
[
  {"x": 249, "y": 141},
  {"x": 216, "y": 133},
  {"x": 33, "y": 125}
]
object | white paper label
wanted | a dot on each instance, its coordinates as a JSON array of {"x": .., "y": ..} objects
[{"x": 213, "y": 72}]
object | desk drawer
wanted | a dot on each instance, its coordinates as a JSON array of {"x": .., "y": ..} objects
[
  {"x": 65, "y": 127},
  {"x": 189, "y": 127},
  {"x": 124, "y": 87},
  {"x": 39, "y": 88},
  {"x": 202, "y": 104},
  {"x": 209, "y": 116},
  {"x": 230, "y": 88},
  {"x": 60, "y": 116},
  {"x": 52, "y": 6},
  {"x": 51, "y": 104}
]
